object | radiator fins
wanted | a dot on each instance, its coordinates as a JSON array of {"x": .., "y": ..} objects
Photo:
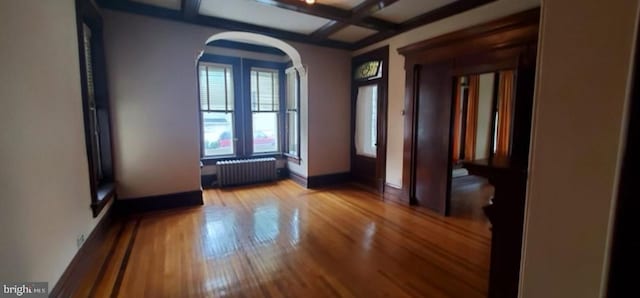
[{"x": 246, "y": 171}]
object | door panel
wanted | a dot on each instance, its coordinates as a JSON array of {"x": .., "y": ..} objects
[
  {"x": 368, "y": 99},
  {"x": 432, "y": 138}
]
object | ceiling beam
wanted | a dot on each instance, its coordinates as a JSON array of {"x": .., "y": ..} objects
[
  {"x": 176, "y": 15},
  {"x": 332, "y": 13},
  {"x": 424, "y": 19},
  {"x": 358, "y": 13},
  {"x": 190, "y": 8}
]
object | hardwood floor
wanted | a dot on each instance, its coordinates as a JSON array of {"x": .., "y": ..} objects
[{"x": 282, "y": 240}]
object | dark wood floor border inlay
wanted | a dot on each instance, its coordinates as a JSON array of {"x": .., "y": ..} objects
[
  {"x": 84, "y": 259},
  {"x": 125, "y": 261},
  {"x": 107, "y": 260}
]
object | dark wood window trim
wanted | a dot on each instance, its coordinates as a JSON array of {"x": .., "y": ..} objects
[
  {"x": 295, "y": 158},
  {"x": 98, "y": 140},
  {"x": 242, "y": 108}
]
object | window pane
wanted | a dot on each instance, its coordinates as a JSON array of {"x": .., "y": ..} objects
[
  {"x": 264, "y": 90},
  {"x": 292, "y": 90},
  {"x": 216, "y": 87},
  {"x": 218, "y": 138},
  {"x": 265, "y": 132},
  {"x": 202, "y": 76},
  {"x": 292, "y": 133},
  {"x": 366, "y": 121},
  {"x": 368, "y": 71}
]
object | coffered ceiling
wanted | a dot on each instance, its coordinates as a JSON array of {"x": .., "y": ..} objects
[{"x": 346, "y": 24}]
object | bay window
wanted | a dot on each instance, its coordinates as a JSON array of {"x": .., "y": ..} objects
[{"x": 244, "y": 109}]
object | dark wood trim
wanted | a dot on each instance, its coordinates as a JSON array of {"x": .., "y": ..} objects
[
  {"x": 431, "y": 67},
  {"x": 510, "y": 36},
  {"x": 625, "y": 242},
  {"x": 86, "y": 13},
  {"x": 395, "y": 194},
  {"x": 383, "y": 85},
  {"x": 230, "y": 44},
  {"x": 104, "y": 195},
  {"x": 190, "y": 8},
  {"x": 297, "y": 178},
  {"x": 332, "y": 13},
  {"x": 175, "y": 15},
  {"x": 521, "y": 20},
  {"x": 361, "y": 11},
  {"x": 424, "y": 19},
  {"x": 328, "y": 180},
  {"x": 88, "y": 256},
  {"x": 159, "y": 202}
]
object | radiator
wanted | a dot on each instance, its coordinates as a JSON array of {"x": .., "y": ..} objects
[{"x": 246, "y": 171}]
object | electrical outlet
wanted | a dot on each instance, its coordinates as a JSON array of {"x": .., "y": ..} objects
[{"x": 80, "y": 240}]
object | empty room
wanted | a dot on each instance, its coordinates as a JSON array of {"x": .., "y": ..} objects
[{"x": 318, "y": 148}]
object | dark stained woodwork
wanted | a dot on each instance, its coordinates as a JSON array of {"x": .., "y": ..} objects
[
  {"x": 430, "y": 182},
  {"x": 625, "y": 242},
  {"x": 170, "y": 14},
  {"x": 159, "y": 202},
  {"x": 85, "y": 266},
  {"x": 281, "y": 240},
  {"x": 333, "y": 13},
  {"x": 508, "y": 43},
  {"x": 368, "y": 171},
  {"x": 361, "y": 15},
  {"x": 424, "y": 19},
  {"x": 190, "y": 8},
  {"x": 361, "y": 11}
]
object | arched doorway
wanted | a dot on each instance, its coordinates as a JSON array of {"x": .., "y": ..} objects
[{"x": 247, "y": 72}]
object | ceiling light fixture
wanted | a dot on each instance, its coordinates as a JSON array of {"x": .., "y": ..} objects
[{"x": 310, "y": 1}]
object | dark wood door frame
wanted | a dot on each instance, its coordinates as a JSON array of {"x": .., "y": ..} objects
[
  {"x": 508, "y": 43},
  {"x": 381, "y": 54},
  {"x": 625, "y": 243}
]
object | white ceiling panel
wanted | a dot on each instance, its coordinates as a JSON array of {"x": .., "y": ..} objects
[
  {"x": 172, "y": 4},
  {"x": 404, "y": 10},
  {"x": 252, "y": 12},
  {"x": 352, "y": 34},
  {"x": 344, "y": 4}
]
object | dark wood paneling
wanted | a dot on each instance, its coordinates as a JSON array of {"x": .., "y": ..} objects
[
  {"x": 246, "y": 47},
  {"x": 159, "y": 202},
  {"x": 89, "y": 258},
  {"x": 626, "y": 243},
  {"x": 433, "y": 119}
]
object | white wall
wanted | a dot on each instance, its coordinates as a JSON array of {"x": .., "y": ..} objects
[
  {"x": 581, "y": 100},
  {"x": 395, "y": 126},
  {"x": 153, "y": 88},
  {"x": 44, "y": 181}
]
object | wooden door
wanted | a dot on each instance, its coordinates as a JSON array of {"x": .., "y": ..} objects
[
  {"x": 368, "y": 119},
  {"x": 432, "y": 163}
]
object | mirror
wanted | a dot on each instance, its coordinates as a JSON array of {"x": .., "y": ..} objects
[{"x": 482, "y": 116}]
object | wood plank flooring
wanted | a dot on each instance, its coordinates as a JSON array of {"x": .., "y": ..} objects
[{"x": 281, "y": 240}]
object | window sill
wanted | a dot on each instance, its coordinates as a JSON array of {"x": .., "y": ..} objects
[
  {"x": 293, "y": 158},
  {"x": 104, "y": 194}
]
